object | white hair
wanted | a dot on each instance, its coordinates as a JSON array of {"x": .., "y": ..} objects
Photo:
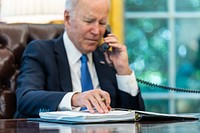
[{"x": 70, "y": 4}]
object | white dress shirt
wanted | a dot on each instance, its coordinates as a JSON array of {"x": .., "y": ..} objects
[{"x": 126, "y": 83}]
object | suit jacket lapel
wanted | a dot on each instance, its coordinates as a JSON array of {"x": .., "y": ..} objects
[
  {"x": 102, "y": 69},
  {"x": 63, "y": 65},
  {"x": 106, "y": 75}
]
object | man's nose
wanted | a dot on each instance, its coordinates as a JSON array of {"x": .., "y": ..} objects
[{"x": 95, "y": 29}]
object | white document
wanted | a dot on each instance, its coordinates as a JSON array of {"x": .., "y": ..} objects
[
  {"x": 86, "y": 116},
  {"x": 112, "y": 116}
]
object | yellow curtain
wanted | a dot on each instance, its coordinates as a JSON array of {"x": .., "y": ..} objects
[{"x": 116, "y": 19}]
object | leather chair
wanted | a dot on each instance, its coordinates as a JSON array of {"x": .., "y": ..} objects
[{"x": 13, "y": 40}]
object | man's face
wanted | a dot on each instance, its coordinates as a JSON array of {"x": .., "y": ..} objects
[{"x": 87, "y": 23}]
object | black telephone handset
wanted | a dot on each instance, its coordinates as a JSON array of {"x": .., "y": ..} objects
[{"x": 104, "y": 47}]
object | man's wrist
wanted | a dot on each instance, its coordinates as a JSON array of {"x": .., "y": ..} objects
[
  {"x": 74, "y": 99},
  {"x": 124, "y": 72},
  {"x": 65, "y": 103}
]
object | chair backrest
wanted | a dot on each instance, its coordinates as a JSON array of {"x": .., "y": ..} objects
[{"x": 13, "y": 40}]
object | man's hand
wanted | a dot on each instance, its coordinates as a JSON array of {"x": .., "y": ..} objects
[
  {"x": 118, "y": 56},
  {"x": 93, "y": 99}
]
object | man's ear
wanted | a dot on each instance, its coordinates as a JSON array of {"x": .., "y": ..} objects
[{"x": 66, "y": 19}]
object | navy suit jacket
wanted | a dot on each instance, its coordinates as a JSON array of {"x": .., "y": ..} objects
[{"x": 45, "y": 78}]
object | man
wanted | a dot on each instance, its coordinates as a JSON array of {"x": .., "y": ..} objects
[{"x": 50, "y": 75}]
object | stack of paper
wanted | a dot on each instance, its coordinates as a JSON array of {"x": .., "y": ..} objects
[
  {"x": 85, "y": 116},
  {"x": 112, "y": 116}
]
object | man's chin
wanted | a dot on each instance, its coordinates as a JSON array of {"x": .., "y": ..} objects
[{"x": 91, "y": 49}]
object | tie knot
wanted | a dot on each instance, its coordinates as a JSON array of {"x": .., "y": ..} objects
[{"x": 84, "y": 58}]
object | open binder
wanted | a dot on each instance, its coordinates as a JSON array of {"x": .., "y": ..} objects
[{"x": 117, "y": 115}]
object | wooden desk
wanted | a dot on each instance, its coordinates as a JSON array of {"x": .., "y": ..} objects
[{"x": 24, "y": 126}]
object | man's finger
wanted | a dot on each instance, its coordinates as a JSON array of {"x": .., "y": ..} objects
[
  {"x": 89, "y": 106},
  {"x": 97, "y": 104}
]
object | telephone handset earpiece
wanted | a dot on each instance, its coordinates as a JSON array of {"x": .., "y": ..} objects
[{"x": 104, "y": 47}]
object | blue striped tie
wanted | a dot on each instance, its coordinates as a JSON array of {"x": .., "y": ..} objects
[{"x": 86, "y": 81}]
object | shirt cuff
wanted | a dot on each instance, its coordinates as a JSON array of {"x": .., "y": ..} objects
[
  {"x": 127, "y": 83},
  {"x": 65, "y": 103}
]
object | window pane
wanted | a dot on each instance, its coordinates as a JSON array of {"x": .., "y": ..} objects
[
  {"x": 188, "y": 5},
  {"x": 188, "y": 53},
  {"x": 145, "y": 5},
  {"x": 160, "y": 106},
  {"x": 187, "y": 106},
  {"x": 147, "y": 44}
]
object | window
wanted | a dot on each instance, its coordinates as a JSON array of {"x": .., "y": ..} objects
[{"x": 163, "y": 41}]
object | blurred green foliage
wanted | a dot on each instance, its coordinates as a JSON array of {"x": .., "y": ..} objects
[
  {"x": 145, "y": 5},
  {"x": 147, "y": 44},
  {"x": 147, "y": 40}
]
